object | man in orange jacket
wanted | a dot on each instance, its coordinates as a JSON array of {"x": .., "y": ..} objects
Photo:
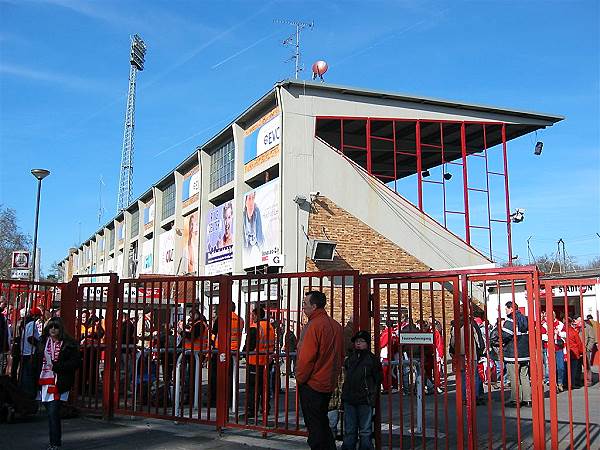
[{"x": 320, "y": 359}]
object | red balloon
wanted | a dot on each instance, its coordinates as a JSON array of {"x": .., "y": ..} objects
[{"x": 319, "y": 67}]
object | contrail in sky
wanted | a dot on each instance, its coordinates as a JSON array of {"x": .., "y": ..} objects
[
  {"x": 219, "y": 64},
  {"x": 189, "y": 138},
  {"x": 387, "y": 38},
  {"x": 197, "y": 50}
]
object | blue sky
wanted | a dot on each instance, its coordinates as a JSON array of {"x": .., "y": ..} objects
[{"x": 63, "y": 82}]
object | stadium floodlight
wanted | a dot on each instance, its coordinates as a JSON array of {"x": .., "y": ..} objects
[
  {"x": 300, "y": 200},
  {"x": 447, "y": 176},
  {"x": 322, "y": 250},
  {"x": 138, "y": 52},
  {"x": 538, "y": 148},
  {"x": 425, "y": 173}
]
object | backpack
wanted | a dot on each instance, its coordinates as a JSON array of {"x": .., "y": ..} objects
[{"x": 479, "y": 341}]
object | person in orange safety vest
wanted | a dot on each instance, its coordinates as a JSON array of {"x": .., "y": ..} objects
[
  {"x": 259, "y": 349},
  {"x": 237, "y": 326},
  {"x": 195, "y": 335}
]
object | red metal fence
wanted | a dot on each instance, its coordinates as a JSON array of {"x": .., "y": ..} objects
[{"x": 221, "y": 351}]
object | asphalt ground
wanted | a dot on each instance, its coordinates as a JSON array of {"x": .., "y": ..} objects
[{"x": 85, "y": 433}]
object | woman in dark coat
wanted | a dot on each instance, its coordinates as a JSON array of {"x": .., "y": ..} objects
[
  {"x": 362, "y": 381},
  {"x": 57, "y": 359}
]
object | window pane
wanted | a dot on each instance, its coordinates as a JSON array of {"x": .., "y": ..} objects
[{"x": 221, "y": 165}]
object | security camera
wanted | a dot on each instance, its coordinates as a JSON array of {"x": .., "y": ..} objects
[{"x": 314, "y": 195}]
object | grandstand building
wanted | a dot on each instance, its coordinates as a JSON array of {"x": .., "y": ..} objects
[{"x": 318, "y": 177}]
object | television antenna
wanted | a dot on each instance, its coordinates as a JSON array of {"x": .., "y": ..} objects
[{"x": 294, "y": 40}]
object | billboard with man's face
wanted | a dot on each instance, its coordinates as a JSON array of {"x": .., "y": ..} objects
[
  {"x": 261, "y": 225},
  {"x": 219, "y": 240}
]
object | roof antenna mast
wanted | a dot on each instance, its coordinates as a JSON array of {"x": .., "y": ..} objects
[
  {"x": 136, "y": 60},
  {"x": 294, "y": 40}
]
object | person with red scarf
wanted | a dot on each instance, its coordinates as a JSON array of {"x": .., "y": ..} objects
[
  {"x": 575, "y": 353},
  {"x": 57, "y": 359},
  {"x": 388, "y": 345}
]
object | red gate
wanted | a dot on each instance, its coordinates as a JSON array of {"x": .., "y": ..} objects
[
  {"x": 572, "y": 419},
  {"x": 262, "y": 392},
  {"x": 178, "y": 348}
]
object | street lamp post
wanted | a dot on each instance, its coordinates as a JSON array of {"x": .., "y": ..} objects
[{"x": 40, "y": 174}]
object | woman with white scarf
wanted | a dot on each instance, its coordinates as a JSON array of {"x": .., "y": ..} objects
[{"x": 57, "y": 360}]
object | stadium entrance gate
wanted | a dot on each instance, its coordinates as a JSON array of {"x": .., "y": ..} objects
[{"x": 445, "y": 364}]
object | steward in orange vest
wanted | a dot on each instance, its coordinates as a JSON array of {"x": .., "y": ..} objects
[
  {"x": 237, "y": 326},
  {"x": 195, "y": 336},
  {"x": 259, "y": 349}
]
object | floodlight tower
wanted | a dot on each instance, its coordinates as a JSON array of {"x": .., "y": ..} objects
[
  {"x": 137, "y": 55},
  {"x": 295, "y": 40}
]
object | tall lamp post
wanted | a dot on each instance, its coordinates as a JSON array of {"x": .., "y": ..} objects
[{"x": 40, "y": 174}]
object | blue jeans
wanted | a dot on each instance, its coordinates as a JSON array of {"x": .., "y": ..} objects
[
  {"x": 28, "y": 379},
  {"x": 478, "y": 383},
  {"x": 358, "y": 421},
  {"x": 561, "y": 373},
  {"x": 54, "y": 426}
]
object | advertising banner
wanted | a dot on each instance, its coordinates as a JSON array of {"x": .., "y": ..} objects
[
  {"x": 261, "y": 225},
  {"x": 166, "y": 252},
  {"x": 132, "y": 260},
  {"x": 219, "y": 240},
  {"x": 147, "y": 257},
  {"x": 149, "y": 213},
  {"x": 263, "y": 135},
  {"x": 191, "y": 186},
  {"x": 120, "y": 264},
  {"x": 190, "y": 242}
]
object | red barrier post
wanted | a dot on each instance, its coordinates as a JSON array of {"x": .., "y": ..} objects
[{"x": 224, "y": 324}]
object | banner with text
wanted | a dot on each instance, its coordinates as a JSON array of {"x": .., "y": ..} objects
[{"x": 219, "y": 240}]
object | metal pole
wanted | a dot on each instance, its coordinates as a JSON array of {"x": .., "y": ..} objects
[
  {"x": 35, "y": 230},
  {"x": 35, "y": 236}
]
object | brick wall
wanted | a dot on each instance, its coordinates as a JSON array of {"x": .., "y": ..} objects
[{"x": 359, "y": 246}]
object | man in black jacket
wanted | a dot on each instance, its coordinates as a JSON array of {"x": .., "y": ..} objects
[
  {"x": 515, "y": 349},
  {"x": 362, "y": 382}
]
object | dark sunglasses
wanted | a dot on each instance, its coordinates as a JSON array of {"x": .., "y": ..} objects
[{"x": 53, "y": 325}]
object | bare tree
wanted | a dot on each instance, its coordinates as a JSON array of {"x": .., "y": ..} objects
[
  {"x": 55, "y": 273},
  {"x": 11, "y": 239},
  {"x": 593, "y": 263}
]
